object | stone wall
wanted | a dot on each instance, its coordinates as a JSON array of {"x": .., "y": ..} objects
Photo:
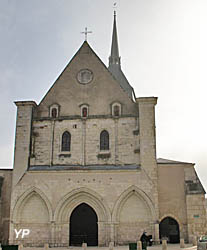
[
  {"x": 195, "y": 200},
  {"x": 127, "y": 176},
  {"x": 59, "y": 193},
  {"x": 196, "y": 215},
  {"x": 23, "y": 139},
  {"x": 176, "y": 201},
  {"x": 85, "y": 142},
  {"x": 56, "y": 181},
  {"x": 5, "y": 198},
  {"x": 172, "y": 199},
  {"x": 99, "y": 95}
]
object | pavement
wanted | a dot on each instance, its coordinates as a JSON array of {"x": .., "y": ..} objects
[{"x": 154, "y": 247}]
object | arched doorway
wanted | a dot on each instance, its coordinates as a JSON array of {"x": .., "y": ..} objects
[
  {"x": 83, "y": 226},
  {"x": 169, "y": 229}
]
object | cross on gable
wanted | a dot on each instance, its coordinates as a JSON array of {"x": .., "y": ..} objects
[{"x": 86, "y": 32}]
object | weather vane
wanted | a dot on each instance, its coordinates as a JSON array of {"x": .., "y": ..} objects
[{"x": 86, "y": 32}]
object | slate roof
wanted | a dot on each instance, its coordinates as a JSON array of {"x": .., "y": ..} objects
[{"x": 167, "y": 161}]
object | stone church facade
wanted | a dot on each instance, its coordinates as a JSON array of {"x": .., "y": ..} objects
[{"x": 85, "y": 166}]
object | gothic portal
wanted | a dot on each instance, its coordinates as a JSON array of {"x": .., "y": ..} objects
[{"x": 83, "y": 226}]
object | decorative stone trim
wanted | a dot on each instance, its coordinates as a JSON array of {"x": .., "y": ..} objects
[{"x": 77, "y": 117}]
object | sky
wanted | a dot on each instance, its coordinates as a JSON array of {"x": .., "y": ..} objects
[{"x": 163, "y": 48}]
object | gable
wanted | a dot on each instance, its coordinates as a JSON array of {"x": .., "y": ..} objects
[{"x": 71, "y": 90}]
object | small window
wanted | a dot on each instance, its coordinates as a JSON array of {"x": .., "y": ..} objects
[
  {"x": 54, "y": 112},
  {"x": 104, "y": 140},
  {"x": 84, "y": 112},
  {"x": 193, "y": 187},
  {"x": 116, "y": 110},
  {"x": 66, "y": 141}
]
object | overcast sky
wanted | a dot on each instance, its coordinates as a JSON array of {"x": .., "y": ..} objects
[{"x": 163, "y": 48}]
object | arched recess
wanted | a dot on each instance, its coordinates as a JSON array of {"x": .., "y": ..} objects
[
  {"x": 72, "y": 200},
  {"x": 133, "y": 212},
  {"x": 125, "y": 196},
  {"x": 169, "y": 228},
  {"x": 25, "y": 197},
  {"x": 81, "y": 195}
]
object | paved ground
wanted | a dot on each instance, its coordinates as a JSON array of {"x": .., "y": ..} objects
[{"x": 156, "y": 247}]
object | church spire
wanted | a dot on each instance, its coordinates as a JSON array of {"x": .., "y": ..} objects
[
  {"x": 115, "y": 63},
  {"x": 114, "y": 58}
]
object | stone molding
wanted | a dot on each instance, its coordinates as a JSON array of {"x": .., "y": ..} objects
[{"x": 81, "y": 195}]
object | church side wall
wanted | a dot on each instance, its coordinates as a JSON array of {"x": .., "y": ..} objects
[
  {"x": 5, "y": 199},
  {"x": 172, "y": 200},
  {"x": 195, "y": 200},
  {"x": 196, "y": 215},
  {"x": 183, "y": 203}
]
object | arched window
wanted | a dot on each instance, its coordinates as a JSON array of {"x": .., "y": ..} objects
[
  {"x": 104, "y": 140},
  {"x": 116, "y": 110},
  {"x": 84, "y": 112},
  {"x": 66, "y": 140},
  {"x": 54, "y": 112}
]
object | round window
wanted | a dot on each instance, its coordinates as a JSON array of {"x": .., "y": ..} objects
[{"x": 85, "y": 76}]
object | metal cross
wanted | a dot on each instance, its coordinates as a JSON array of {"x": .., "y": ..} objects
[{"x": 86, "y": 32}]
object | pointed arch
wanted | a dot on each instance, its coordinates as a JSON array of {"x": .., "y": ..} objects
[
  {"x": 132, "y": 190},
  {"x": 116, "y": 109},
  {"x": 172, "y": 216},
  {"x": 83, "y": 226},
  {"x": 170, "y": 227},
  {"x": 104, "y": 140},
  {"x": 81, "y": 195},
  {"x": 22, "y": 200},
  {"x": 66, "y": 141},
  {"x": 54, "y": 112}
]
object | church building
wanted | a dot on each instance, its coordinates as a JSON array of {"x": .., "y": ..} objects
[{"x": 85, "y": 165}]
